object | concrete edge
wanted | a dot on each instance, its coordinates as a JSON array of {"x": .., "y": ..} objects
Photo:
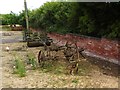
[{"x": 115, "y": 61}]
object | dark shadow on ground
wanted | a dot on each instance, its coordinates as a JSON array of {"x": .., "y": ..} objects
[{"x": 106, "y": 67}]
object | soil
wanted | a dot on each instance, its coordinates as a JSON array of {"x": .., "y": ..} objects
[{"x": 96, "y": 73}]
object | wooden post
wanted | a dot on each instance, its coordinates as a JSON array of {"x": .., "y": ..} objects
[{"x": 27, "y": 23}]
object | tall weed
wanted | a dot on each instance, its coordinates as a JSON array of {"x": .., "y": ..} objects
[{"x": 19, "y": 67}]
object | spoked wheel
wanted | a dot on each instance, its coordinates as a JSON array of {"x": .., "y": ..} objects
[{"x": 41, "y": 58}]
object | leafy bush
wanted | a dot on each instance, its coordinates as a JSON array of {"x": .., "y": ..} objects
[
  {"x": 92, "y": 19},
  {"x": 50, "y": 15}
]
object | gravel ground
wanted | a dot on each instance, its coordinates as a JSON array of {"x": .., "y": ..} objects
[
  {"x": 37, "y": 78},
  {"x": 40, "y": 79}
]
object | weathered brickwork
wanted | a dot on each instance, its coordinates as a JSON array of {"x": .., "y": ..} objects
[{"x": 105, "y": 48}]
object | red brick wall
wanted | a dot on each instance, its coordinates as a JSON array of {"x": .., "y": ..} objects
[{"x": 105, "y": 48}]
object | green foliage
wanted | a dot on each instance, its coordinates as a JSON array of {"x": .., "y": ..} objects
[
  {"x": 12, "y": 18},
  {"x": 60, "y": 67},
  {"x": 19, "y": 67},
  {"x": 9, "y": 19},
  {"x": 32, "y": 61},
  {"x": 58, "y": 29},
  {"x": 56, "y": 67},
  {"x": 92, "y": 19},
  {"x": 21, "y": 18},
  {"x": 86, "y": 26},
  {"x": 51, "y": 15},
  {"x": 75, "y": 81},
  {"x": 114, "y": 30}
]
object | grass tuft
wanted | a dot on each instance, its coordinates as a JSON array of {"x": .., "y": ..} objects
[
  {"x": 32, "y": 60},
  {"x": 75, "y": 81},
  {"x": 52, "y": 66},
  {"x": 19, "y": 67}
]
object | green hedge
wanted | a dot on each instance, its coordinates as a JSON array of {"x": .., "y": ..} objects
[{"x": 91, "y": 19}]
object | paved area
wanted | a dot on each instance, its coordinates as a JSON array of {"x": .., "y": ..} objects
[
  {"x": 16, "y": 39},
  {"x": 10, "y": 37}
]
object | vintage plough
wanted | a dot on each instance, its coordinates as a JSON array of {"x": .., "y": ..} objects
[{"x": 73, "y": 55}]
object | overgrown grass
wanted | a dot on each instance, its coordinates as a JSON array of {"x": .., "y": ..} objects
[
  {"x": 52, "y": 66},
  {"x": 60, "y": 67},
  {"x": 19, "y": 67},
  {"x": 84, "y": 68}
]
